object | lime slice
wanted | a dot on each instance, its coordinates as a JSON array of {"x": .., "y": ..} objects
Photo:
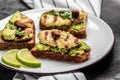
[
  {"x": 9, "y": 58},
  {"x": 26, "y": 58}
]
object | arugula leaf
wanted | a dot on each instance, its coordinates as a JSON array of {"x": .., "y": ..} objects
[
  {"x": 13, "y": 27},
  {"x": 63, "y": 14},
  {"x": 19, "y": 33}
]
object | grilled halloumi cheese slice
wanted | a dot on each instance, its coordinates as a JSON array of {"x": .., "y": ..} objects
[
  {"x": 65, "y": 40},
  {"x": 49, "y": 20}
]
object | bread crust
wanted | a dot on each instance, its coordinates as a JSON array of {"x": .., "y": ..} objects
[{"x": 61, "y": 57}]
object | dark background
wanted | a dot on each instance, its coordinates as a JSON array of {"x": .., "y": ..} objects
[{"x": 108, "y": 68}]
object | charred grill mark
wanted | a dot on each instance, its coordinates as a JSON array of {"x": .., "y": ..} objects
[
  {"x": 46, "y": 33},
  {"x": 45, "y": 17},
  {"x": 43, "y": 27},
  {"x": 55, "y": 19},
  {"x": 66, "y": 46},
  {"x": 81, "y": 18},
  {"x": 67, "y": 37},
  {"x": 76, "y": 41}
]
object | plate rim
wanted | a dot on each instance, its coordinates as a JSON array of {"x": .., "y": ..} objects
[{"x": 102, "y": 57}]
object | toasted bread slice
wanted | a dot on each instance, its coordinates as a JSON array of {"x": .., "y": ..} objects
[
  {"x": 19, "y": 32},
  {"x": 16, "y": 45},
  {"x": 72, "y": 21},
  {"x": 60, "y": 45},
  {"x": 61, "y": 57}
]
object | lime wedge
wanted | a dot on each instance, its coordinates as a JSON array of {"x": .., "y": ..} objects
[
  {"x": 9, "y": 58},
  {"x": 26, "y": 58}
]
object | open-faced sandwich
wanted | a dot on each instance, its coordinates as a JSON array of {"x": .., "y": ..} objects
[
  {"x": 19, "y": 32},
  {"x": 73, "y": 21},
  {"x": 60, "y": 45}
]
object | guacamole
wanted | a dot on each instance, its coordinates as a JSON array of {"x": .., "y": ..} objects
[{"x": 78, "y": 50}]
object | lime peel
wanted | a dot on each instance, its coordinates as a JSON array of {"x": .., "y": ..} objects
[
  {"x": 26, "y": 58},
  {"x": 12, "y": 60},
  {"x": 16, "y": 58}
]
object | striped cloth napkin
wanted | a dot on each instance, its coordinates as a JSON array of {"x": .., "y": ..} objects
[
  {"x": 65, "y": 76},
  {"x": 91, "y": 6}
]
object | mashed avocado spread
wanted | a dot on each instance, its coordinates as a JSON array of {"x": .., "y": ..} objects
[
  {"x": 78, "y": 50},
  {"x": 74, "y": 27},
  {"x": 77, "y": 27}
]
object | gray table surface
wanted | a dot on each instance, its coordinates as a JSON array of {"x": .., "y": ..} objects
[{"x": 108, "y": 68}]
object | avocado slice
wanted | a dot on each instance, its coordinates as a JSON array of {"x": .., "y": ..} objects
[
  {"x": 7, "y": 26},
  {"x": 13, "y": 32},
  {"x": 16, "y": 17},
  {"x": 8, "y": 34}
]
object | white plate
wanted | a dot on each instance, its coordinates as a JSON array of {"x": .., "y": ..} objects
[{"x": 100, "y": 38}]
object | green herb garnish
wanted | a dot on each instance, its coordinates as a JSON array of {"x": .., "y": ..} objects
[
  {"x": 64, "y": 14},
  {"x": 13, "y": 27},
  {"x": 19, "y": 33}
]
